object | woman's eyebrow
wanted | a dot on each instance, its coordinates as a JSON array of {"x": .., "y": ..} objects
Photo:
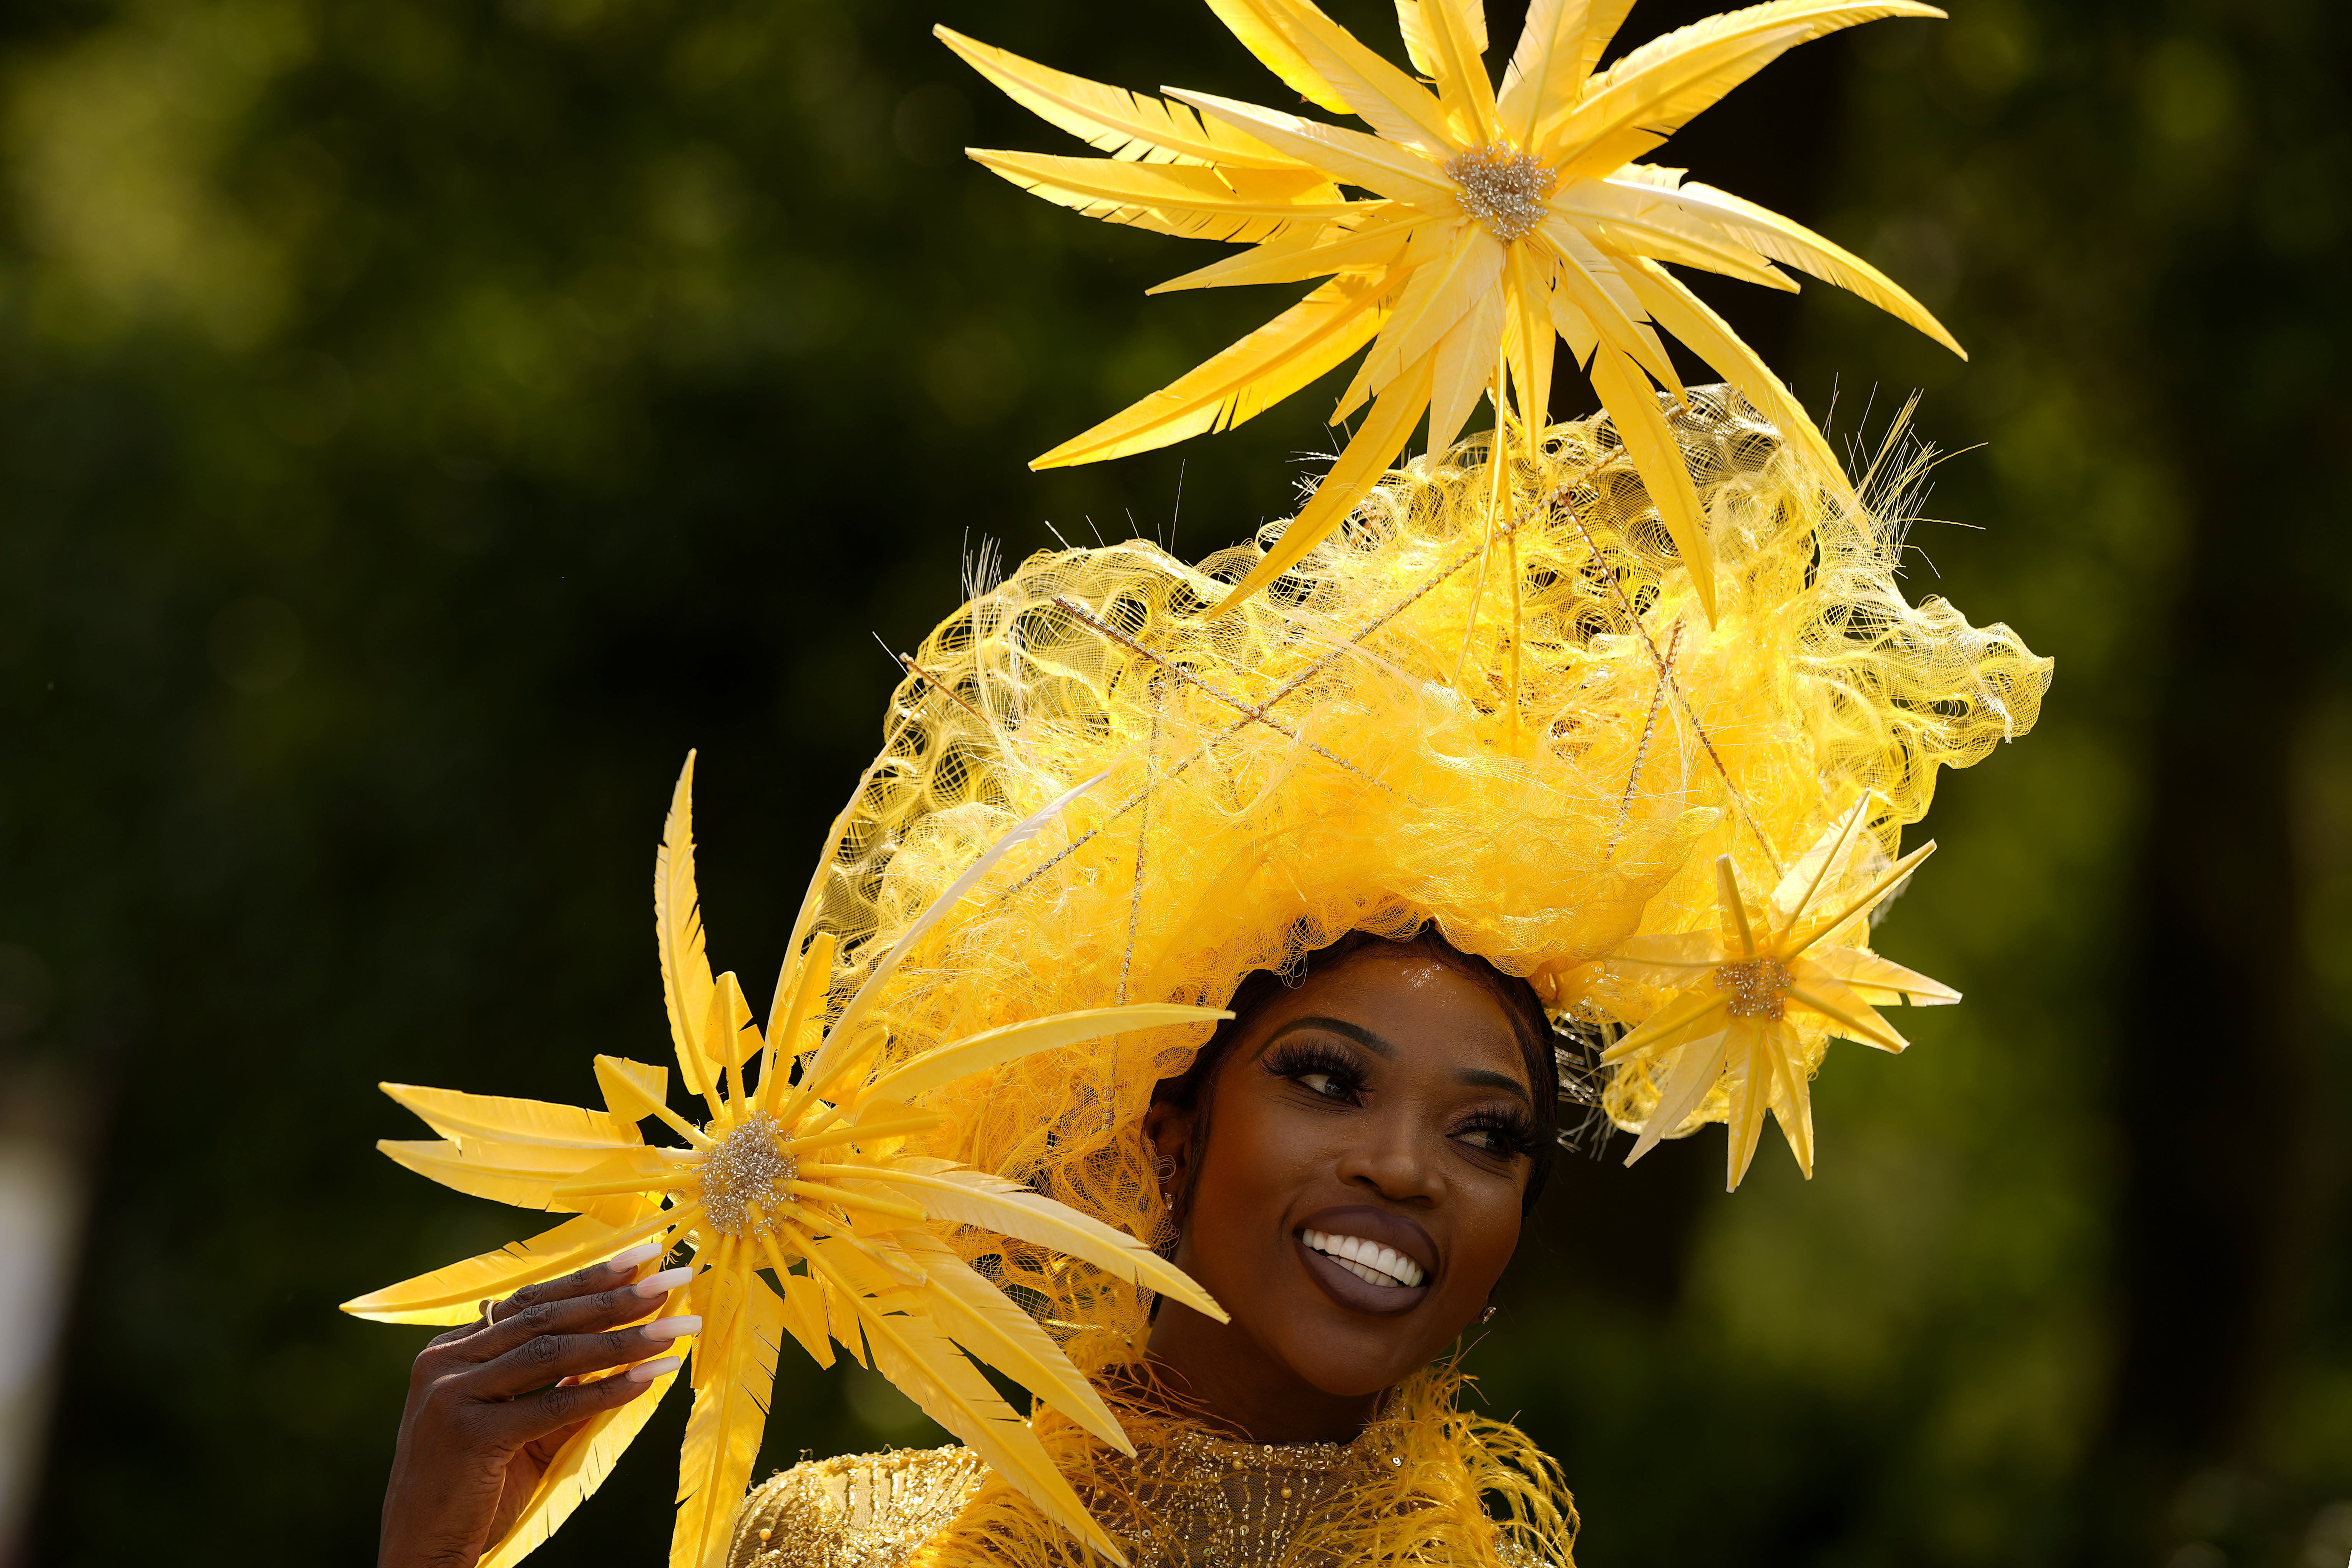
[
  {"x": 1356, "y": 1032},
  {"x": 1479, "y": 1077}
]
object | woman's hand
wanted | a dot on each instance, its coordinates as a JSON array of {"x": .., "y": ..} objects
[{"x": 490, "y": 1403}]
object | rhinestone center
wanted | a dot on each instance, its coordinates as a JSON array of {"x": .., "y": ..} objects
[
  {"x": 1502, "y": 187},
  {"x": 1759, "y": 987},
  {"x": 746, "y": 1168}
]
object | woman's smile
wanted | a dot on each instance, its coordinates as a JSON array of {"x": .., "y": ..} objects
[{"x": 1368, "y": 1259}]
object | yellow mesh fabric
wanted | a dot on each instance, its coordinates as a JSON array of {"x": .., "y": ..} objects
[
  {"x": 1384, "y": 740},
  {"x": 1428, "y": 1482}
]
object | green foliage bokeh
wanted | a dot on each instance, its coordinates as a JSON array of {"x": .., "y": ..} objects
[{"x": 421, "y": 422}]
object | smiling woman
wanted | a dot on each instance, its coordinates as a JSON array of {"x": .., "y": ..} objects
[{"x": 1170, "y": 1021}]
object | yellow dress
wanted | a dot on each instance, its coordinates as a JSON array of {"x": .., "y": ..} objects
[{"x": 1194, "y": 1501}]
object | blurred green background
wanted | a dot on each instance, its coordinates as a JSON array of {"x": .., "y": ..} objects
[{"x": 421, "y": 421}]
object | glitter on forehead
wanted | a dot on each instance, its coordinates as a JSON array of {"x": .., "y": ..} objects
[
  {"x": 1502, "y": 187},
  {"x": 1759, "y": 988},
  {"x": 747, "y": 1168}
]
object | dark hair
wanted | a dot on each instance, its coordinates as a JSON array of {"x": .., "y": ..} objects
[{"x": 1191, "y": 1090}]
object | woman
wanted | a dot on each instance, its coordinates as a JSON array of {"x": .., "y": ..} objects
[
  {"x": 1349, "y": 1159},
  {"x": 1322, "y": 787},
  {"x": 1615, "y": 723}
]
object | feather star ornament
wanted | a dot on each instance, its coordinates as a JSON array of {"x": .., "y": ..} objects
[
  {"x": 1732, "y": 1019},
  {"x": 1496, "y": 221},
  {"x": 805, "y": 1176}
]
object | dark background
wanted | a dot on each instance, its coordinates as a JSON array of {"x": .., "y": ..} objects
[{"x": 421, "y": 421}]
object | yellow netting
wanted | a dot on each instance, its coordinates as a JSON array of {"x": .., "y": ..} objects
[
  {"x": 1384, "y": 740},
  {"x": 1438, "y": 1484}
]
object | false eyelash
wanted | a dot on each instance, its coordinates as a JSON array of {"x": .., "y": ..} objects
[
  {"x": 1515, "y": 1128},
  {"x": 1296, "y": 1058}
]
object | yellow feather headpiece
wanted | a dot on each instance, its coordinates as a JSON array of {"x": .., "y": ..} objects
[
  {"x": 1667, "y": 824},
  {"x": 1496, "y": 222}
]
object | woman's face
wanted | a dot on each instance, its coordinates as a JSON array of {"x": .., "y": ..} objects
[{"x": 1360, "y": 1194}]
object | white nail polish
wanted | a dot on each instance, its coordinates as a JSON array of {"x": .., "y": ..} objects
[
  {"x": 635, "y": 1258},
  {"x": 647, "y": 1371},
  {"x": 663, "y": 1283},
  {"x": 676, "y": 1328}
]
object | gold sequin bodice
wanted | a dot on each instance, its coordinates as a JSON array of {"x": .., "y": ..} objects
[{"x": 1199, "y": 1501}]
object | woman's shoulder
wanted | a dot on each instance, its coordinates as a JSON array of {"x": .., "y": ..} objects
[{"x": 861, "y": 1510}]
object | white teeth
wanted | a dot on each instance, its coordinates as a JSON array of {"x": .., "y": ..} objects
[{"x": 1367, "y": 1260}]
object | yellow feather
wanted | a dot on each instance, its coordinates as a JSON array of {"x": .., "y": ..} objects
[
  {"x": 1463, "y": 368},
  {"x": 645, "y": 1082},
  {"x": 1824, "y": 863},
  {"x": 1339, "y": 154},
  {"x": 1436, "y": 297},
  {"x": 1453, "y": 42},
  {"x": 1688, "y": 318},
  {"x": 729, "y": 1027},
  {"x": 1590, "y": 280},
  {"x": 1375, "y": 91},
  {"x": 912, "y": 1353},
  {"x": 1655, "y": 89},
  {"x": 1571, "y": 324},
  {"x": 1792, "y": 1107},
  {"x": 996, "y": 1047},
  {"x": 523, "y": 1174},
  {"x": 465, "y": 1118},
  {"x": 1659, "y": 1031},
  {"x": 1532, "y": 339},
  {"x": 636, "y": 1098},
  {"x": 451, "y": 1295},
  {"x": 735, "y": 1369},
  {"x": 786, "y": 1019},
  {"x": 1419, "y": 48},
  {"x": 1743, "y": 1049},
  {"x": 1127, "y": 125},
  {"x": 1635, "y": 218},
  {"x": 1236, "y": 385},
  {"x": 1694, "y": 1072},
  {"x": 805, "y": 1315},
  {"x": 1634, "y": 410},
  {"x": 1304, "y": 254},
  {"x": 993, "y": 1204},
  {"x": 1556, "y": 50},
  {"x": 677, "y": 930},
  {"x": 1256, "y": 24},
  {"x": 1881, "y": 982},
  {"x": 1182, "y": 199},
  {"x": 1855, "y": 1018},
  {"x": 1790, "y": 243},
  {"x": 578, "y": 1469},
  {"x": 1358, "y": 466},
  {"x": 978, "y": 1317},
  {"x": 1860, "y": 904}
]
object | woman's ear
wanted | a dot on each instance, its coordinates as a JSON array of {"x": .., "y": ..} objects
[{"x": 1168, "y": 1131}]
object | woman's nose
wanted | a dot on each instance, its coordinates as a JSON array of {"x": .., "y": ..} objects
[{"x": 1391, "y": 1161}]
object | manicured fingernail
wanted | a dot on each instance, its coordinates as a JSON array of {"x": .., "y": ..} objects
[
  {"x": 663, "y": 1283},
  {"x": 645, "y": 1371},
  {"x": 635, "y": 1258},
  {"x": 672, "y": 1328}
]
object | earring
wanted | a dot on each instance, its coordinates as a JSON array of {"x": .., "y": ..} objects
[
  {"x": 1164, "y": 1169},
  {"x": 1488, "y": 1316}
]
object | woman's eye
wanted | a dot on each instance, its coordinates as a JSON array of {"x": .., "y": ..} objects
[
  {"x": 1484, "y": 1138},
  {"x": 1324, "y": 1084}
]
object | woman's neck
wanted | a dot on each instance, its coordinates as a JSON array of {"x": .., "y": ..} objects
[{"x": 1231, "y": 1378}]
